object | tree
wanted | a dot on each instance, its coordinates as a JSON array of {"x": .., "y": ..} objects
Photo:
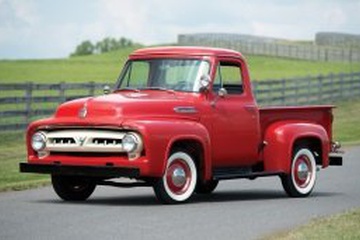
[
  {"x": 85, "y": 48},
  {"x": 106, "y": 45}
]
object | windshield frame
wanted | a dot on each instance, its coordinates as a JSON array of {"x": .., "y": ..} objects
[{"x": 128, "y": 64}]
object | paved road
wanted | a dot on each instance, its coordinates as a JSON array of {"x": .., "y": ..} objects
[{"x": 240, "y": 209}]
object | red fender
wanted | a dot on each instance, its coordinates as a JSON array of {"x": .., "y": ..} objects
[
  {"x": 160, "y": 134},
  {"x": 280, "y": 138}
]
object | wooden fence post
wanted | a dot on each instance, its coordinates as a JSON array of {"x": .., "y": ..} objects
[
  {"x": 269, "y": 95},
  {"x": 332, "y": 87},
  {"x": 320, "y": 88},
  {"x": 357, "y": 75},
  {"x": 62, "y": 92},
  {"x": 308, "y": 99},
  {"x": 92, "y": 88},
  {"x": 283, "y": 86},
  {"x": 254, "y": 88},
  {"x": 28, "y": 97},
  {"x": 341, "y": 82},
  {"x": 296, "y": 83}
]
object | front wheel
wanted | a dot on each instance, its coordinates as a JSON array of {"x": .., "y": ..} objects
[
  {"x": 72, "y": 188},
  {"x": 179, "y": 180},
  {"x": 301, "y": 180}
]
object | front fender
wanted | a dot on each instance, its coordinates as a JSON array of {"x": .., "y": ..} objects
[
  {"x": 159, "y": 135},
  {"x": 280, "y": 138}
]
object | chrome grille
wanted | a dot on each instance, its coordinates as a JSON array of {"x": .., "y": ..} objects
[{"x": 83, "y": 140}]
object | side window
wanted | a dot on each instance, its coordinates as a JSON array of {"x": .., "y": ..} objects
[{"x": 228, "y": 76}]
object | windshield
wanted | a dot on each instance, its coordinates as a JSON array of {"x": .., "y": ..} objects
[{"x": 169, "y": 74}]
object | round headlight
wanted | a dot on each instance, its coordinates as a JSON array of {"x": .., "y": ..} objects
[
  {"x": 129, "y": 143},
  {"x": 38, "y": 141}
]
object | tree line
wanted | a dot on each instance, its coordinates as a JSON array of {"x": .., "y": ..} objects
[{"x": 106, "y": 45}]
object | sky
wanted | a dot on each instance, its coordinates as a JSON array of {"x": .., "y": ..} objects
[{"x": 33, "y": 29}]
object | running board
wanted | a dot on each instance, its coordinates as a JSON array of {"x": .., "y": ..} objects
[
  {"x": 124, "y": 185},
  {"x": 234, "y": 173}
]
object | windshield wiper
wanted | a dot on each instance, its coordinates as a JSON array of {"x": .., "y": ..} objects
[{"x": 159, "y": 88}]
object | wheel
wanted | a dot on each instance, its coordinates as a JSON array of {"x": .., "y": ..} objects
[
  {"x": 179, "y": 180},
  {"x": 71, "y": 188},
  {"x": 206, "y": 187},
  {"x": 301, "y": 180}
]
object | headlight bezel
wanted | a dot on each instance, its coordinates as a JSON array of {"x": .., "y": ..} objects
[
  {"x": 38, "y": 138},
  {"x": 131, "y": 143}
]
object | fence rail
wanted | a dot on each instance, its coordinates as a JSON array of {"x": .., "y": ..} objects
[{"x": 23, "y": 103}]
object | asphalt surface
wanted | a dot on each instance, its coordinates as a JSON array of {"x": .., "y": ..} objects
[{"x": 238, "y": 209}]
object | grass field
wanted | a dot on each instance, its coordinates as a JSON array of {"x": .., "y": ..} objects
[
  {"x": 106, "y": 68},
  {"x": 12, "y": 152},
  {"x": 342, "y": 226}
]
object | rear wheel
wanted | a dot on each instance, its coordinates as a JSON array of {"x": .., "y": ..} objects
[
  {"x": 301, "y": 180},
  {"x": 72, "y": 188},
  {"x": 179, "y": 180}
]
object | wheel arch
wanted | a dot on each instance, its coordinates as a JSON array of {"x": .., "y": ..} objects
[
  {"x": 314, "y": 144},
  {"x": 197, "y": 148}
]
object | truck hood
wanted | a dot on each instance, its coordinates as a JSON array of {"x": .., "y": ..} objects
[{"x": 118, "y": 107}]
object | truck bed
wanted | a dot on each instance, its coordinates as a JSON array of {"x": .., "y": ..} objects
[{"x": 320, "y": 114}]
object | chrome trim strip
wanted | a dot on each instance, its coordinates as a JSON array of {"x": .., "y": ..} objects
[{"x": 185, "y": 109}]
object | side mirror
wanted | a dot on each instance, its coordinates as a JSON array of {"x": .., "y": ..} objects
[
  {"x": 222, "y": 92},
  {"x": 106, "y": 89}
]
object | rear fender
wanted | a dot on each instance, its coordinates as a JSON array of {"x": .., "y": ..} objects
[{"x": 280, "y": 139}]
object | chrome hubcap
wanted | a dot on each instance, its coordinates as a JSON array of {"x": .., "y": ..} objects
[
  {"x": 303, "y": 171},
  {"x": 178, "y": 177}
]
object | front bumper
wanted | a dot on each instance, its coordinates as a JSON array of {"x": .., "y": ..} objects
[{"x": 88, "y": 171}]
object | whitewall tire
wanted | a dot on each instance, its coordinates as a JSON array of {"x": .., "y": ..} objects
[
  {"x": 179, "y": 180},
  {"x": 302, "y": 177}
]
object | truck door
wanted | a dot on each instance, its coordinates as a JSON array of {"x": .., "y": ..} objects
[{"x": 235, "y": 117}]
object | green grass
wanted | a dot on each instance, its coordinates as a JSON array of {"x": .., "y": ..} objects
[
  {"x": 106, "y": 68},
  {"x": 347, "y": 122},
  {"x": 12, "y": 152},
  {"x": 342, "y": 226},
  {"x": 99, "y": 68}
]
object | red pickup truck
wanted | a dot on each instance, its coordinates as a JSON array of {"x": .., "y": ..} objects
[{"x": 179, "y": 120}]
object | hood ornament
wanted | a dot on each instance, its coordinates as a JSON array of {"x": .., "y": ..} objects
[{"x": 83, "y": 112}]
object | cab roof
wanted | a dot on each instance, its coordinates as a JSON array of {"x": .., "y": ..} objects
[{"x": 186, "y": 51}]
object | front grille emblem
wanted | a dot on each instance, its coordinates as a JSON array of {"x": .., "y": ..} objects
[
  {"x": 83, "y": 112},
  {"x": 81, "y": 140}
]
